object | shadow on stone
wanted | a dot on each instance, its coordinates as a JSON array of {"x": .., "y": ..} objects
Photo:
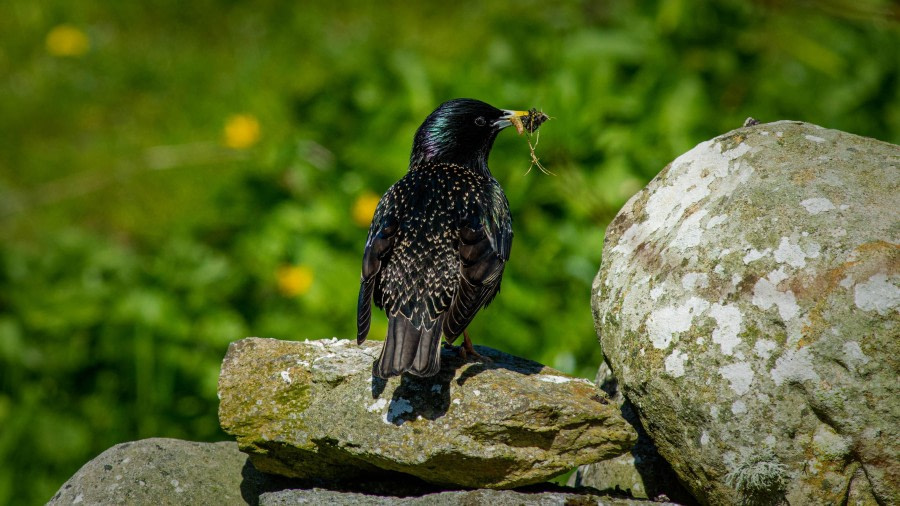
[
  {"x": 386, "y": 483},
  {"x": 429, "y": 398},
  {"x": 255, "y": 483},
  {"x": 416, "y": 397},
  {"x": 657, "y": 475}
]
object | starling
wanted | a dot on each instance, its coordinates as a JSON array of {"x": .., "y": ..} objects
[{"x": 439, "y": 239}]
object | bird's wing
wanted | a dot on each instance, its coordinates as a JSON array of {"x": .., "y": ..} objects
[
  {"x": 485, "y": 240},
  {"x": 379, "y": 244}
]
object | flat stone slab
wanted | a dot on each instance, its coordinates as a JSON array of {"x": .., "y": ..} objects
[{"x": 314, "y": 410}]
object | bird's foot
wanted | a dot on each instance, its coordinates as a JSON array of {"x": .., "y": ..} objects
[{"x": 467, "y": 349}]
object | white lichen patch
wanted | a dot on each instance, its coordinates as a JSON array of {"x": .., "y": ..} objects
[
  {"x": 738, "y": 407},
  {"x": 377, "y": 406},
  {"x": 814, "y": 138},
  {"x": 817, "y": 205},
  {"x": 829, "y": 444},
  {"x": 877, "y": 294},
  {"x": 664, "y": 323},
  {"x": 697, "y": 170},
  {"x": 728, "y": 324},
  {"x": 286, "y": 376},
  {"x": 754, "y": 255},
  {"x": 554, "y": 379},
  {"x": 655, "y": 292},
  {"x": 716, "y": 221},
  {"x": 690, "y": 231},
  {"x": 693, "y": 280},
  {"x": 854, "y": 356},
  {"x": 794, "y": 366},
  {"x": 793, "y": 255},
  {"x": 739, "y": 375},
  {"x": 704, "y": 438},
  {"x": 764, "y": 348},
  {"x": 675, "y": 363},
  {"x": 766, "y": 294}
]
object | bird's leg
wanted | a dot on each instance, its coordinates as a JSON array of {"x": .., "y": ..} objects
[{"x": 468, "y": 349}]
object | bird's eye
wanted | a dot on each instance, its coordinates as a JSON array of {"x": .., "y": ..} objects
[{"x": 480, "y": 121}]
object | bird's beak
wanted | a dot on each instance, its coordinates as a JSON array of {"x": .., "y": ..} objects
[{"x": 510, "y": 118}]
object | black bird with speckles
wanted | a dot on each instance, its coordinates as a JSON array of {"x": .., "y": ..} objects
[{"x": 439, "y": 239}]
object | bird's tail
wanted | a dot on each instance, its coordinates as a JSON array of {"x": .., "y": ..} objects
[{"x": 410, "y": 349}]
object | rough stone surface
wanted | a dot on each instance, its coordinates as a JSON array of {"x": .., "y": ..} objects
[
  {"x": 314, "y": 409},
  {"x": 454, "y": 498},
  {"x": 167, "y": 471},
  {"x": 747, "y": 302},
  {"x": 641, "y": 473}
]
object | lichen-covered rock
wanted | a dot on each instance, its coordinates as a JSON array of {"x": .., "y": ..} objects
[
  {"x": 451, "y": 498},
  {"x": 314, "y": 409},
  {"x": 642, "y": 473},
  {"x": 748, "y": 305},
  {"x": 167, "y": 471}
]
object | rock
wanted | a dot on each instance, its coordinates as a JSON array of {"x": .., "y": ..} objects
[
  {"x": 641, "y": 473},
  {"x": 747, "y": 302},
  {"x": 168, "y": 471},
  {"x": 314, "y": 409},
  {"x": 482, "y": 497},
  {"x": 171, "y": 471}
]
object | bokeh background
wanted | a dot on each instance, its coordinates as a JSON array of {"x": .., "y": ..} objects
[{"x": 178, "y": 175}]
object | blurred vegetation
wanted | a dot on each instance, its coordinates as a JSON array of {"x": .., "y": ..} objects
[{"x": 178, "y": 175}]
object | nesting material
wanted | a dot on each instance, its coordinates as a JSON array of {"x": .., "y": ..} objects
[{"x": 531, "y": 122}]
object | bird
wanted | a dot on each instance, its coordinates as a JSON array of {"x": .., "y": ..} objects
[{"x": 439, "y": 240}]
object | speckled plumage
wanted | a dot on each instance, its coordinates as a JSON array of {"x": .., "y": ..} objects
[{"x": 439, "y": 239}]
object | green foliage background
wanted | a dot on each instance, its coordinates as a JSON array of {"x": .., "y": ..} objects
[{"x": 135, "y": 246}]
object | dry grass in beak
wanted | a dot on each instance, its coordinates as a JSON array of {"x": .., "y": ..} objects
[
  {"x": 531, "y": 123},
  {"x": 535, "y": 161}
]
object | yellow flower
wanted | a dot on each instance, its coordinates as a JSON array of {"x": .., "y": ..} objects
[
  {"x": 294, "y": 280},
  {"x": 241, "y": 131},
  {"x": 66, "y": 40},
  {"x": 364, "y": 209}
]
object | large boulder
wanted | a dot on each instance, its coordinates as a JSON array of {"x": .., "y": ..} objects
[
  {"x": 747, "y": 302},
  {"x": 314, "y": 409}
]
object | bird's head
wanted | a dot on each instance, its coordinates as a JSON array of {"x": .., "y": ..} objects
[{"x": 460, "y": 131}]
